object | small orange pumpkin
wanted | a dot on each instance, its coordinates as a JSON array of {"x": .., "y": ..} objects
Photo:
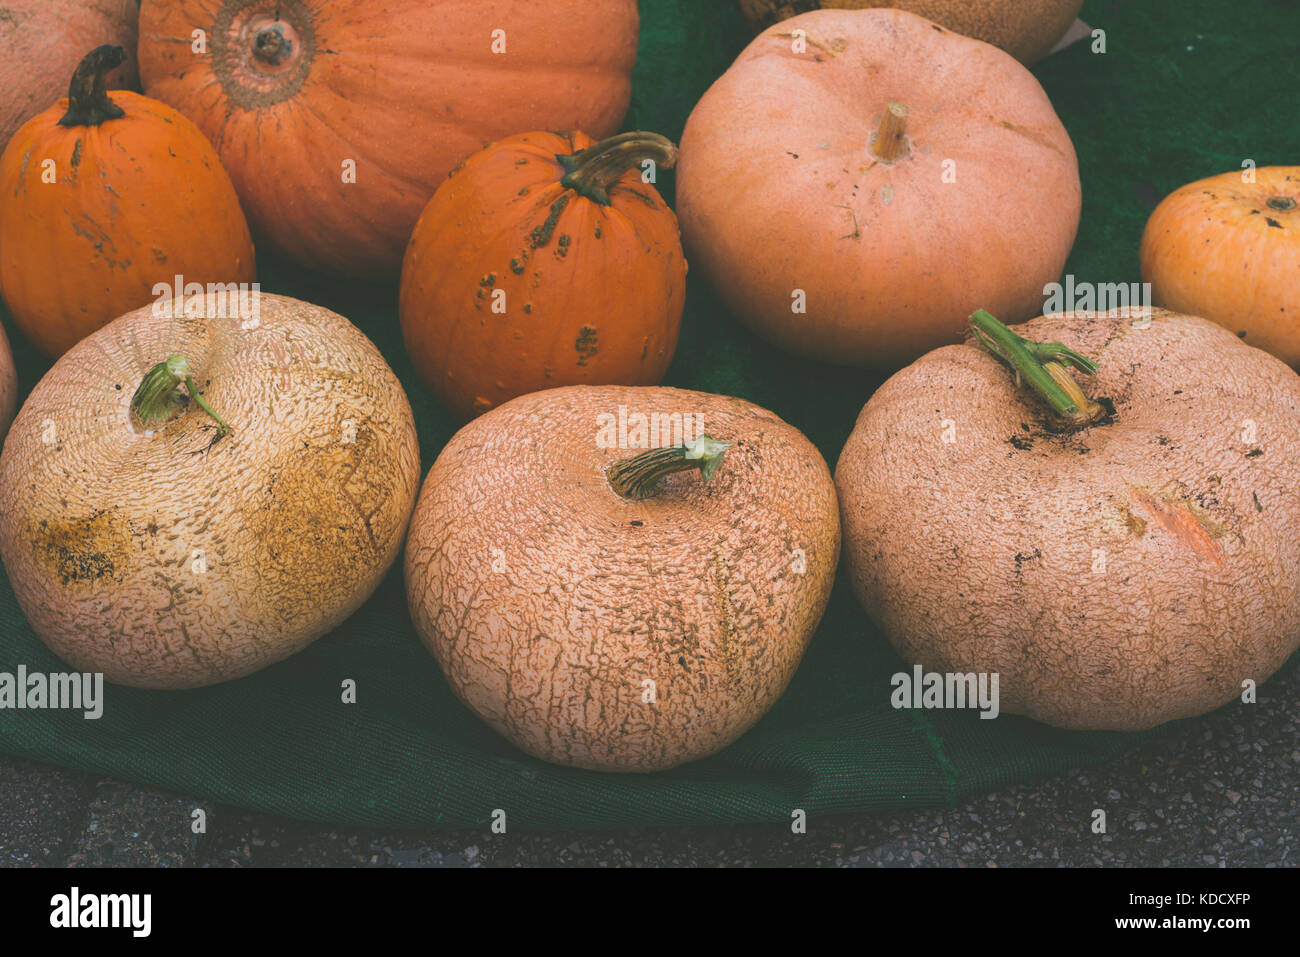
[
  {"x": 544, "y": 260},
  {"x": 104, "y": 199},
  {"x": 1229, "y": 250}
]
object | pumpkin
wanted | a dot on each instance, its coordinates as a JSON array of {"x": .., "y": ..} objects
[
  {"x": 1229, "y": 250},
  {"x": 8, "y": 385},
  {"x": 338, "y": 120},
  {"x": 1027, "y": 29},
  {"x": 188, "y": 497},
  {"x": 544, "y": 261},
  {"x": 1122, "y": 554},
  {"x": 41, "y": 42},
  {"x": 852, "y": 192},
  {"x": 622, "y": 578},
  {"x": 105, "y": 199}
]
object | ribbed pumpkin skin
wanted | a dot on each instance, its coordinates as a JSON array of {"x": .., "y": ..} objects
[
  {"x": 1217, "y": 248},
  {"x": 137, "y": 201},
  {"x": 593, "y": 293},
  {"x": 41, "y": 42},
  {"x": 404, "y": 89},
  {"x": 1027, "y": 29},
  {"x": 779, "y": 192}
]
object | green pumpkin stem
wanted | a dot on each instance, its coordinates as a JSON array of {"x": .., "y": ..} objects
[
  {"x": 1043, "y": 366},
  {"x": 88, "y": 102},
  {"x": 594, "y": 170},
  {"x": 156, "y": 400},
  {"x": 638, "y": 477}
]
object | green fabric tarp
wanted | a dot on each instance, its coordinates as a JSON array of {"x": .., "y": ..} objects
[{"x": 1185, "y": 89}]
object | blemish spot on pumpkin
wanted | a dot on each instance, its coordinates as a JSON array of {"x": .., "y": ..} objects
[
  {"x": 586, "y": 344},
  {"x": 541, "y": 235},
  {"x": 1136, "y": 526},
  {"x": 76, "y": 153},
  {"x": 1189, "y": 525},
  {"x": 87, "y": 549},
  {"x": 517, "y": 267}
]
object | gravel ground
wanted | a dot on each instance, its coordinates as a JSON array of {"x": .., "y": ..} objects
[{"x": 1220, "y": 792}]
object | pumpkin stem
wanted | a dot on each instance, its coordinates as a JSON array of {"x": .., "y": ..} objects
[
  {"x": 270, "y": 45},
  {"x": 638, "y": 476},
  {"x": 888, "y": 145},
  {"x": 156, "y": 399},
  {"x": 1043, "y": 366},
  {"x": 1281, "y": 203},
  {"x": 88, "y": 102},
  {"x": 594, "y": 170}
]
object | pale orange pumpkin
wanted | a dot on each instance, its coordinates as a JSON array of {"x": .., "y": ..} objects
[
  {"x": 1027, "y": 29},
  {"x": 1229, "y": 250},
  {"x": 338, "y": 119},
  {"x": 858, "y": 182},
  {"x": 104, "y": 199},
  {"x": 41, "y": 42},
  {"x": 543, "y": 261}
]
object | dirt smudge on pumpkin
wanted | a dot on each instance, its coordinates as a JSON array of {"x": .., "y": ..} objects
[
  {"x": 1190, "y": 525},
  {"x": 83, "y": 550},
  {"x": 1136, "y": 526},
  {"x": 324, "y": 500},
  {"x": 1032, "y": 135}
]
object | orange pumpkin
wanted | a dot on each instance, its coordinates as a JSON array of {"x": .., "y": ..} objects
[
  {"x": 339, "y": 119},
  {"x": 545, "y": 260},
  {"x": 41, "y": 42},
  {"x": 104, "y": 198},
  {"x": 860, "y": 181},
  {"x": 1229, "y": 250}
]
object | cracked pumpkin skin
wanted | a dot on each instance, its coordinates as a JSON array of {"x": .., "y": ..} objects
[
  {"x": 981, "y": 554},
  {"x": 785, "y": 183},
  {"x": 548, "y": 599},
  {"x": 101, "y": 519},
  {"x": 1027, "y": 29},
  {"x": 1230, "y": 251}
]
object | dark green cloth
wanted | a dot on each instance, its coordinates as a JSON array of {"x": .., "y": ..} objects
[{"x": 1187, "y": 88}]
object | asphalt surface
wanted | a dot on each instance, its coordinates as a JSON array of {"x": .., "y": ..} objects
[{"x": 1223, "y": 791}]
